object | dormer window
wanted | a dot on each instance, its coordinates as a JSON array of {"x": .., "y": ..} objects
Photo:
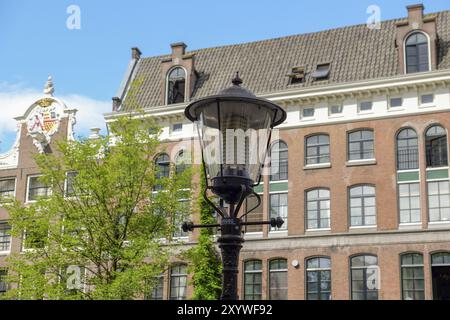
[
  {"x": 416, "y": 53},
  {"x": 297, "y": 75},
  {"x": 176, "y": 86}
]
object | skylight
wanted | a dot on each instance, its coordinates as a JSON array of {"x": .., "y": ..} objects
[
  {"x": 297, "y": 75},
  {"x": 322, "y": 71}
]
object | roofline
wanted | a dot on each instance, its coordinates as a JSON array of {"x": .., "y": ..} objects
[
  {"x": 162, "y": 56},
  {"x": 317, "y": 92}
]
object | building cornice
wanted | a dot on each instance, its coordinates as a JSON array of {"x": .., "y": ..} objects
[{"x": 337, "y": 92}]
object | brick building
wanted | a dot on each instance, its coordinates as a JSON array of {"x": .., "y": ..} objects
[
  {"x": 362, "y": 176},
  {"x": 362, "y": 179},
  {"x": 45, "y": 121}
]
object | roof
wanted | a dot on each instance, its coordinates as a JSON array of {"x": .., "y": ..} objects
[{"x": 356, "y": 53}]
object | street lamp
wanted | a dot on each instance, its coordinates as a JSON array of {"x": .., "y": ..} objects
[{"x": 234, "y": 129}]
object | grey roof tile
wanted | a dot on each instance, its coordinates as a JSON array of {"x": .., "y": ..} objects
[{"x": 355, "y": 52}]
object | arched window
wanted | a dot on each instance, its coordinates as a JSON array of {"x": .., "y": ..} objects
[
  {"x": 440, "y": 273},
  {"x": 360, "y": 145},
  {"x": 362, "y": 206},
  {"x": 416, "y": 53},
  {"x": 436, "y": 146},
  {"x": 162, "y": 167},
  {"x": 279, "y": 161},
  {"x": 407, "y": 150},
  {"x": 412, "y": 276},
  {"x": 278, "y": 279},
  {"x": 178, "y": 282},
  {"x": 318, "y": 275},
  {"x": 317, "y": 149},
  {"x": 364, "y": 277},
  {"x": 176, "y": 85},
  {"x": 182, "y": 162},
  {"x": 253, "y": 280},
  {"x": 318, "y": 209}
]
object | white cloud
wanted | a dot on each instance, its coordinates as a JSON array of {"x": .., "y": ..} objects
[{"x": 14, "y": 101}]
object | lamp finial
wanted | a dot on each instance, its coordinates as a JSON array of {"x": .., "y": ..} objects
[{"x": 237, "y": 81}]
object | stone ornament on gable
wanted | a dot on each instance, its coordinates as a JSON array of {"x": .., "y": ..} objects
[{"x": 44, "y": 119}]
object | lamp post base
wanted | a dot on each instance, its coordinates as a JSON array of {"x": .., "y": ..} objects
[{"x": 230, "y": 244}]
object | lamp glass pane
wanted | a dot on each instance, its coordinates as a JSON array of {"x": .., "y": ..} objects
[{"x": 234, "y": 137}]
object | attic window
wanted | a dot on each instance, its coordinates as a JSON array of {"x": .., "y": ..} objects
[
  {"x": 176, "y": 84},
  {"x": 322, "y": 71},
  {"x": 297, "y": 75}
]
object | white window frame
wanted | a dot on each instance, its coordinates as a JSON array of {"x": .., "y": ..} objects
[
  {"x": 335, "y": 115},
  {"x": 365, "y": 111},
  {"x": 426, "y": 105},
  {"x": 397, "y": 108},
  {"x": 28, "y": 188},
  {"x": 282, "y": 231},
  {"x": 15, "y": 186},
  {"x": 176, "y": 132},
  {"x": 307, "y": 118},
  {"x": 404, "y": 49},
  {"x": 398, "y": 202},
  {"x": 186, "y": 85},
  {"x": 6, "y": 252},
  {"x": 183, "y": 238}
]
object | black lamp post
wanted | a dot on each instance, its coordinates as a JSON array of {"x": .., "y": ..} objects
[{"x": 234, "y": 128}]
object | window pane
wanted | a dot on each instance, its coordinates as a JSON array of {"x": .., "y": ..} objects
[
  {"x": 366, "y": 105},
  {"x": 396, "y": 102},
  {"x": 7, "y": 189},
  {"x": 253, "y": 280},
  {"x": 426, "y": 98},
  {"x": 5, "y": 237}
]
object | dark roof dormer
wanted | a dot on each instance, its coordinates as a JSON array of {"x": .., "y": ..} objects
[
  {"x": 177, "y": 75},
  {"x": 416, "y": 41}
]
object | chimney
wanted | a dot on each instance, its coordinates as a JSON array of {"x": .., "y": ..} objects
[
  {"x": 116, "y": 103},
  {"x": 415, "y": 13},
  {"x": 135, "y": 53},
  {"x": 178, "y": 49}
]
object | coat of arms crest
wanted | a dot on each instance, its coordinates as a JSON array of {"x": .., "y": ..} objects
[{"x": 43, "y": 122}]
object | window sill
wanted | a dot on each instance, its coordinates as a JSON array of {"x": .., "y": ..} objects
[
  {"x": 278, "y": 233},
  {"x": 253, "y": 235},
  {"x": 438, "y": 224},
  {"x": 437, "y": 168},
  {"x": 5, "y": 253},
  {"x": 180, "y": 239},
  {"x": 335, "y": 116},
  {"x": 425, "y": 106},
  {"x": 363, "y": 113},
  {"x": 362, "y": 228},
  {"x": 363, "y": 162},
  {"x": 317, "y": 166},
  {"x": 315, "y": 231},
  {"x": 395, "y": 109},
  {"x": 307, "y": 119},
  {"x": 412, "y": 225}
]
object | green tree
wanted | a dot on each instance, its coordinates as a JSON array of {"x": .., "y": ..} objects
[
  {"x": 98, "y": 234},
  {"x": 206, "y": 267}
]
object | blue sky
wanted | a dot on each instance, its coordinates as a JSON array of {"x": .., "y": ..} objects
[{"x": 88, "y": 64}]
